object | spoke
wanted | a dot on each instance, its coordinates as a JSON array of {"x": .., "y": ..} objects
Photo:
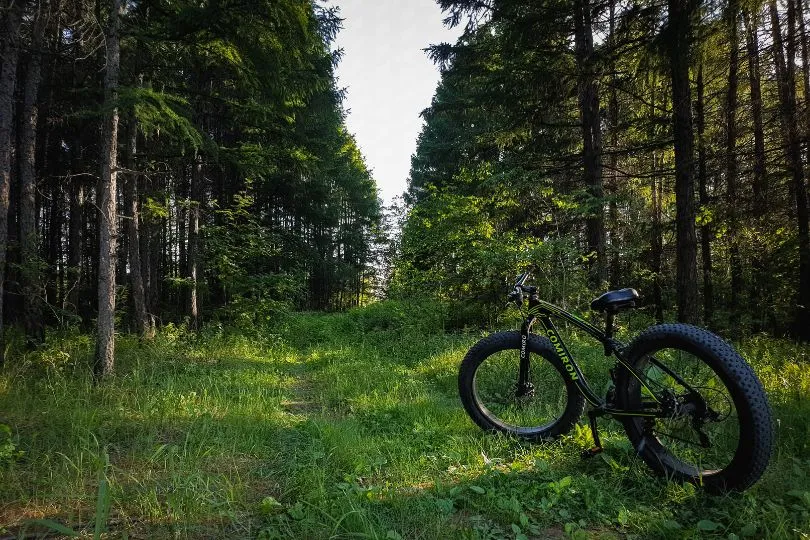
[
  {"x": 671, "y": 436},
  {"x": 671, "y": 373},
  {"x": 702, "y": 429}
]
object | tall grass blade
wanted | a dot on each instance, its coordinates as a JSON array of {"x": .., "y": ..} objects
[
  {"x": 52, "y": 525},
  {"x": 103, "y": 500}
]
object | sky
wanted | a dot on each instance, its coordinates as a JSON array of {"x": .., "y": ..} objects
[{"x": 389, "y": 80}]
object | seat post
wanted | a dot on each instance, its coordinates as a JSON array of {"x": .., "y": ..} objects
[
  {"x": 609, "y": 324},
  {"x": 609, "y": 315}
]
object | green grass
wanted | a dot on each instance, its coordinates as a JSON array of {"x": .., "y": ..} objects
[{"x": 345, "y": 426}]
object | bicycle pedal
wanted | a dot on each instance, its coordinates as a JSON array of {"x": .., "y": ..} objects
[{"x": 587, "y": 454}]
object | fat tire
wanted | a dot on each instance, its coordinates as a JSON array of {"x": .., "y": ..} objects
[
  {"x": 756, "y": 426},
  {"x": 538, "y": 346}
]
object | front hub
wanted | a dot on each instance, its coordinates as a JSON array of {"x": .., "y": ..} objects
[{"x": 524, "y": 390}]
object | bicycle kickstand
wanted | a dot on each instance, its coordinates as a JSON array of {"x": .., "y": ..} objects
[{"x": 597, "y": 448}]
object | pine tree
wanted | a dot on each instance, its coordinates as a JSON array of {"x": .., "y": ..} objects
[
  {"x": 108, "y": 217},
  {"x": 8, "y": 78}
]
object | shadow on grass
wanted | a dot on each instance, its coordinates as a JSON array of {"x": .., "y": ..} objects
[
  {"x": 360, "y": 437},
  {"x": 194, "y": 477}
]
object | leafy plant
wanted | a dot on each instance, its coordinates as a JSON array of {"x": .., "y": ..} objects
[{"x": 9, "y": 452}]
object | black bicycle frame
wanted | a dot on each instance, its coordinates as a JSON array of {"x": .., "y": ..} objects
[{"x": 539, "y": 309}]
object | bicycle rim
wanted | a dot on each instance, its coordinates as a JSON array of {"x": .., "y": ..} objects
[
  {"x": 678, "y": 440},
  {"x": 495, "y": 391}
]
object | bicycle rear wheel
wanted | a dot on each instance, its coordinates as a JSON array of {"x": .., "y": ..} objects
[
  {"x": 488, "y": 385},
  {"x": 718, "y": 433}
]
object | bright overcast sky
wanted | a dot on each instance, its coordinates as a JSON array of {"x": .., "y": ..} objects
[{"x": 389, "y": 78}]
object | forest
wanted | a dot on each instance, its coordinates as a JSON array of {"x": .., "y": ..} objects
[
  {"x": 171, "y": 161},
  {"x": 211, "y": 324},
  {"x": 615, "y": 143}
]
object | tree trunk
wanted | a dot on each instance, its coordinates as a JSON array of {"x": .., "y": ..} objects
[
  {"x": 53, "y": 255},
  {"x": 805, "y": 74},
  {"x": 146, "y": 256},
  {"x": 732, "y": 17},
  {"x": 785, "y": 75},
  {"x": 192, "y": 254},
  {"x": 183, "y": 193},
  {"x": 75, "y": 237},
  {"x": 680, "y": 47},
  {"x": 592, "y": 141},
  {"x": 156, "y": 264},
  {"x": 760, "y": 186},
  {"x": 656, "y": 230},
  {"x": 141, "y": 318},
  {"x": 754, "y": 78},
  {"x": 656, "y": 247},
  {"x": 8, "y": 79},
  {"x": 613, "y": 120},
  {"x": 29, "y": 238},
  {"x": 105, "y": 347},
  {"x": 705, "y": 201}
]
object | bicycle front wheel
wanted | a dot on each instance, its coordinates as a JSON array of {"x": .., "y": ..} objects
[
  {"x": 546, "y": 407},
  {"x": 718, "y": 431}
]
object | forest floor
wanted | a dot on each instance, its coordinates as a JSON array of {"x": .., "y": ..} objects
[{"x": 344, "y": 426}]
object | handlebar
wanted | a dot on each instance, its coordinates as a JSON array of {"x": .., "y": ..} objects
[{"x": 516, "y": 295}]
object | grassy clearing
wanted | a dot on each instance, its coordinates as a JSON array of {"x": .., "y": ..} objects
[{"x": 345, "y": 426}]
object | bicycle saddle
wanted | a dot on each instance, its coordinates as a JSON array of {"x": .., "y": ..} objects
[{"x": 613, "y": 301}]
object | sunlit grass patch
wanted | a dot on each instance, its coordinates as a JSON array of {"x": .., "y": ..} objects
[{"x": 347, "y": 426}]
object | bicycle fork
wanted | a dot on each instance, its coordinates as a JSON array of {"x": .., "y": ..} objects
[{"x": 524, "y": 387}]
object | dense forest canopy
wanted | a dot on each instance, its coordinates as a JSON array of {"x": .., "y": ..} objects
[
  {"x": 180, "y": 161},
  {"x": 189, "y": 158},
  {"x": 661, "y": 145}
]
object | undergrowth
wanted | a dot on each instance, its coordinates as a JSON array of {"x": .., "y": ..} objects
[{"x": 345, "y": 425}]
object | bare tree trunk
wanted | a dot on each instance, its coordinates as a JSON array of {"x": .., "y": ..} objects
[
  {"x": 656, "y": 246},
  {"x": 785, "y": 75},
  {"x": 805, "y": 279},
  {"x": 194, "y": 241},
  {"x": 703, "y": 188},
  {"x": 29, "y": 239},
  {"x": 656, "y": 229},
  {"x": 754, "y": 78},
  {"x": 613, "y": 120},
  {"x": 75, "y": 238},
  {"x": 183, "y": 193},
  {"x": 141, "y": 317},
  {"x": 680, "y": 47},
  {"x": 54, "y": 240},
  {"x": 157, "y": 263},
  {"x": 732, "y": 16},
  {"x": 592, "y": 140},
  {"x": 805, "y": 74},
  {"x": 760, "y": 185},
  {"x": 105, "y": 347},
  {"x": 148, "y": 258},
  {"x": 146, "y": 263},
  {"x": 8, "y": 78}
]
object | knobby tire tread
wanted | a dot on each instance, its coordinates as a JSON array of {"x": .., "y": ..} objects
[
  {"x": 538, "y": 346},
  {"x": 756, "y": 429}
]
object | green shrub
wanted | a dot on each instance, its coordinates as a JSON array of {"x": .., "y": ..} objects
[
  {"x": 423, "y": 316},
  {"x": 8, "y": 447},
  {"x": 455, "y": 250}
]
